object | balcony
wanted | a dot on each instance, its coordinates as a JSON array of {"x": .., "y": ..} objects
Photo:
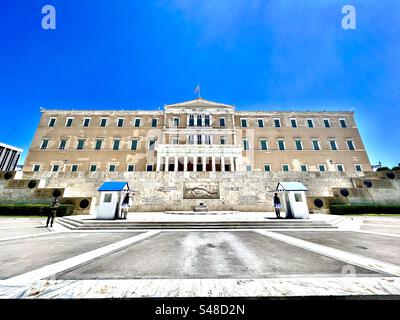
[{"x": 199, "y": 150}]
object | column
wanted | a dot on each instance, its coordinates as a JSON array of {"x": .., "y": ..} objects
[
  {"x": 194, "y": 163},
  {"x": 232, "y": 164},
  {"x": 158, "y": 163},
  {"x": 166, "y": 164},
  {"x": 203, "y": 160},
  {"x": 176, "y": 163},
  {"x": 238, "y": 164},
  {"x": 185, "y": 163},
  {"x": 213, "y": 163},
  {"x": 222, "y": 163},
  {"x": 15, "y": 161},
  {"x": 2, "y": 154},
  {"x": 7, "y": 160}
]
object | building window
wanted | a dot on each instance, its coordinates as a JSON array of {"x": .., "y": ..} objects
[
  {"x": 137, "y": 122},
  {"x": 207, "y": 120},
  {"x": 321, "y": 167},
  {"x": 154, "y": 123},
  {"x": 260, "y": 123},
  {"x": 327, "y": 123},
  {"x": 116, "y": 144},
  {"x": 55, "y": 168},
  {"x": 281, "y": 144},
  {"x": 63, "y": 143},
  {"x": 298, "y": 197},
  {"x": 199, "y": 120},
  {"x": 130, "y": 168},
  {"x": 69, "y": 121},
  {"x": 343, "y": 123},
  {"x": 264, "y": 145},
  {"x": 199, "y": 140},
  {"x": 120, "y": 122},
  {"x": 36, "y": 168},
  {"x": 243, "y": 123},
  {"x": 52, "y": 122},
  {"x": 249, "y": 167},
  {"x": 107, "y": 198},
  {"x": 333, "y": 144},
  {"x": 285, "y": 167},
  {"x": 304, "y": 168},
  {"x": 44, "y": 144},
  {"x": 134, "y": 144},
  {"x": 152, "y": 143},
  {"x": 175, "y": 140},
  {"x": 310, "y": 123},
  {"x": 149, "y": 167},
  {"x": 358, "y": 167},
  {"x": 103, "y": 122},
  {"x": 81, "y": 143},
  {"x": 191, "y": 120},
  {"x": 222, "y": 122},
  {"x": 93, "y": 168},
  {"x": 191, "y": 139},
  {"x": 277, "y": 122},
  {"x": 315, "y": 144},
  {"x": 98, "y": 144},
  {"x": 246, "y": 144},
  {"x": 207, "y": 139},
  {"x": 223, "y": 140},
  {"x": 86, "y": 122},
  {"x": 176, "y": 122},
  {"x": 267, "y": 167},
  {"x": 340, "y": 167},
  {"x": 299, "y": 144},
  {"x": 74, "y": 168},
  {"x": 112, "y": 168},
  {"x": 293, "y": 123},
  {"x": 350, "y": 144}
]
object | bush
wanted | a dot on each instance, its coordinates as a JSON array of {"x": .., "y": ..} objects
[
  {"x": 396, "y": 168},
  {"x": 363, "y": 209},
  {"x": 34, "y": 210},
  {"x": 382, "y": 169}
]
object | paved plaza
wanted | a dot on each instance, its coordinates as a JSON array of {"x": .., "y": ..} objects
[{"x": 360, "y": 257}]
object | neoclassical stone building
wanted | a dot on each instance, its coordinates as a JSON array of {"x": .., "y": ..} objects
[{"x": 197, "y": 135}]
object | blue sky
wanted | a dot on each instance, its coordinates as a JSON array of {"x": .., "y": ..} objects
[{"x": 282, "y": 54}]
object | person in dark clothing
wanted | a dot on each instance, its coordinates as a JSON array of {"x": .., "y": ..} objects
[
  {"x": 125, "y": 206},
  {"x": 53, "y": 211},
  {"x": 277, "y": 206}
]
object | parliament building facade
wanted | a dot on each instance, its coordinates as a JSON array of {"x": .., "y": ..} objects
[{"x": 197, "y": 135}]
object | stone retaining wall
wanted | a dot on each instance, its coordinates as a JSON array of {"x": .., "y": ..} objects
[{"x": 163, "y": 191}]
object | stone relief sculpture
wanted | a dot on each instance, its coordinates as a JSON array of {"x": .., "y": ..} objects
[{"x": 201, "y": 191}]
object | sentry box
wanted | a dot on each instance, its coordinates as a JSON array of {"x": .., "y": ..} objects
[
  {"x": 294, "y": 199},
  {"x": 111, "y": 197}
]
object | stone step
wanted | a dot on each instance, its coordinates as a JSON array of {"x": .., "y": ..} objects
[
  {"x": 114, "y": 225},
  {"x": 120, "y": 223}
]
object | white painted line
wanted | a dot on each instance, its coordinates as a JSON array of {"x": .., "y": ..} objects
[
  {"x": 32, "y": 226},
  {"x": 67, "y": 264},
  {"x": 161, "y": 288},
  {"x": 29, "y": 236},
  {"x": 380, "y": 225},
  {"x": 379, "y": 233},
  {"x": 382, "y": 219},
  {"x": 351, "y": 258}
]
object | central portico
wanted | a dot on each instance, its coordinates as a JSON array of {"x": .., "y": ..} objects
[{"x": 206, "y": 142}]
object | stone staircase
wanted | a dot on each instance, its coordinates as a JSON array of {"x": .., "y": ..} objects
[{"x": 272, "y": 224}]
